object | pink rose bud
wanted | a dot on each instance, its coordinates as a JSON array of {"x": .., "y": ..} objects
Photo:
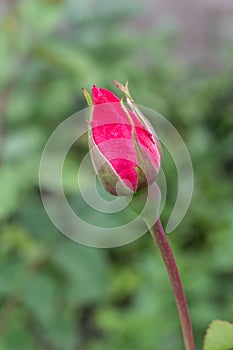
[{"x": 124, "y": 148}]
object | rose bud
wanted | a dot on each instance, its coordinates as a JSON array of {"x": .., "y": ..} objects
[{"x": 124, "y": 148}]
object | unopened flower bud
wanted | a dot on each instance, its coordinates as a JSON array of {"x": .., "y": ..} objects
[{"x": 124, "y": 148}]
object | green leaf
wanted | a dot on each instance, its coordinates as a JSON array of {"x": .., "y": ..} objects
[
  {"x": 16, "y": 333},
  {"x": 61, "y": 330},
  {"x": 84, "y": 270},
  {"x": 66, "y": 58},
  {"x": 219, "y": 336},
  {"x": 39, "y": 294},
  {"x": 13, "y": 276}
]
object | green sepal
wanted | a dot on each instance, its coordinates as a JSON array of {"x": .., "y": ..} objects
[
  {"x": 134, "y": 108},
  {"x": 145, "y": 169},
  {"x": 87, "y": 97}
]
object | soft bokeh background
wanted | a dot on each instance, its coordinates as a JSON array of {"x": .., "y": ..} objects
[{"x": 178, "y": 58}]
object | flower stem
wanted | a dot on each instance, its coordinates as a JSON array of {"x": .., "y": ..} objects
[{"x": 172, "y": 269}]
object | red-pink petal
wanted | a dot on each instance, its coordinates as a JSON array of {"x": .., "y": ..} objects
[
  {"x": 126, "y": 170},
  {"x": 101, "y": 95}
]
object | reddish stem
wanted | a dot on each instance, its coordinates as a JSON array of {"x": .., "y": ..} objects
[{"x": 172, "y": 269}]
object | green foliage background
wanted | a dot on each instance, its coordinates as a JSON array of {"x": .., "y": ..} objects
[{"x": 54, "y": 293}]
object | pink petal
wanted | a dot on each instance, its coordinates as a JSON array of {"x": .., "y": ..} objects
[{"x": 101, "y": 95}]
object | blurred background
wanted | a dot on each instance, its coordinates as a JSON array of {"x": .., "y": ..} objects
[{"x": 178, "y": 57}]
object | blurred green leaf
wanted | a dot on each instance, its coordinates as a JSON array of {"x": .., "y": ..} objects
[
  {"x": 17, "y": 179},
  {"x": 17, "y": 334},
  {"x": 50, "y": 16},
  {"x": 65, "y": 57},
  {"x": 13, "y": 276},
  {"x": 85, "y": 271},
  {"x": 40, "y": 295},
  {"x": 219, "y": 336}
]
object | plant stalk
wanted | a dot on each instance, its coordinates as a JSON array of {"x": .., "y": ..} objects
[{"x": 173, "y": 272}]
